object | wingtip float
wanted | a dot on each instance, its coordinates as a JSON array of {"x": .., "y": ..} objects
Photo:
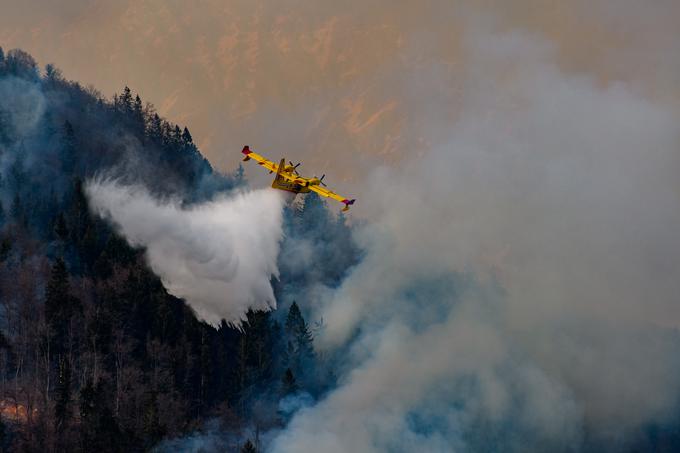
[{"x": 287, "y": 178}]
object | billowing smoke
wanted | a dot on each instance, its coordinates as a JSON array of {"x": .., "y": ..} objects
[
  {"x": 23, "y": 105},
  {"x": 219, "y": 255},
  {"x": 520, "y": 288}
]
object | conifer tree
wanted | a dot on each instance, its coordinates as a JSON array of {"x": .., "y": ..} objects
[
  {"x": 137, "y": 115},
  {"x": 69, "y": 151},
  {"x": 137, "y": 108},
  {"x": 298, "y": 331},
  {"x": 79, "y": 218},
  {"x": 186, "y": 136},
  {"x": 52, "y": 73},
  {"x": 155, "y": 128},
  {"x": 57, "y": 291},
  {"x": 288, "y": 383},
  {"x": 17, "y": 209},
  {"x": 99, "y": 430},
  {"x": 248, "y": 447},
  {"x": 177, "y": 135},
  {"x": 152, "y": 428},
  {"x": 299, "y": 340},
  {"x": 60, "y": 228},
  {"x": 3, "y": 428},
  {"x": 62, "y": 408},
  {"x": 59, "y": 304},
  {"x": 239, "y": 175},
  {"x": 5, "y": 247},
  {"x": 125, "y": 100}
]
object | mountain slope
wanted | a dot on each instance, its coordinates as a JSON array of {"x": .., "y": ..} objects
[{"x": 94, "y": 353}]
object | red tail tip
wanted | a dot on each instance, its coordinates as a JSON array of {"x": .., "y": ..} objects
[
  {"x": 348, "y": 202},
  {"x": 246, "y": 150}
]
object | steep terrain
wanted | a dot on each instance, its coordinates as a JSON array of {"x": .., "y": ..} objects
[{"x": 95, "y": 355}]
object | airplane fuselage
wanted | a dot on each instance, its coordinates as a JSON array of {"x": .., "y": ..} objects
[{"x": 289, "y": 186}]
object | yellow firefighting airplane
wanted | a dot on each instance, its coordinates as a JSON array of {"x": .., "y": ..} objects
[{"x": 287, "y": 178}]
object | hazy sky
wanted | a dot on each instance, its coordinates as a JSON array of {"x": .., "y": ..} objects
[{"x": 335, "y": 83}]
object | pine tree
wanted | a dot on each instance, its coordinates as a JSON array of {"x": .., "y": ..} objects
[
  {"x": 62, "y": 407},
  {"x": 239, "y": 176},
  {"x": 60, "y": 228},
  {"x": 206, "y": 377},
  {"x": 299, "y": 340},
  {"x": 298, "y": 331},
  {"x": 80, "y": 224},
  {"x": 3, "y": 428},
  {"x": 88, "y": 417},
  {"x": 166, "y": 133},
  {"x": 52, "y": 73},
  {"x": 314, "y": 217},
  {"x": 288, "y": 383},
  {"x": 17, "y": 209},
  {"x": 60, "y": 305},
  {"x": 186, "y": 136},
  {"x": 153, "y": 430},
  {"x": 138, "y": 116},
  {"x": 125, "y": 100},
  {"x": 248, "y": 447},
  {"x": 57, "y": 291},
  {"x": 293, "y": 318},
  {"x": 155, "y": 128},
  {"x": 137, "y": 108},
  {"x": 69, "y": 151},
  {"x": 5, "y": 248},
  {"x": 177, "y": 135},
  {"x": 259, "y": 340},
  {"x": 99, "y": 430}
]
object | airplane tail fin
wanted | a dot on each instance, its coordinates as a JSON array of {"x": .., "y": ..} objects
[
  {"x": 348, "y": 203},
  {"x": 278, "y": 177},
  {"x": 246, "y": 150}
]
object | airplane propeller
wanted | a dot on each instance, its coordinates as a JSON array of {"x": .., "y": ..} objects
[
  {"x": 321, "y": 180},
  {"x": 295, "y": 166}
]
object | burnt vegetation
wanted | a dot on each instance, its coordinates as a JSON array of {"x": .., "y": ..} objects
[{"x": 95, "y": 355}]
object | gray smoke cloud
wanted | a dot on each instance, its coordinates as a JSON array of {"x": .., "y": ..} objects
[
  {"x": 520, "y": 287},
  {"x": 22, "y": 106},
  {"x": 220, "y": 255}
]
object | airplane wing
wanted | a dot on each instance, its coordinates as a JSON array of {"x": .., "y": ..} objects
[
  {"x": 261, "y": 160},
  {"x": 330, "y": 194},
  {"x": 292, "y": 178}
]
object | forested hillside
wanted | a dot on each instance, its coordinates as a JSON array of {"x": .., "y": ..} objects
[{"x": 95, "y": 355}]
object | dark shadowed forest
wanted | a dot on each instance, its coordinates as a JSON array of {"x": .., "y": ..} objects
[{"x": 95, "y": 354}]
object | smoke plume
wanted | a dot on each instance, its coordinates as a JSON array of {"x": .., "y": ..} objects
[
  {"x": 22, "y": 105},
  {"x": 520, "y": 288},
  {"x": 219, "y": 255}
]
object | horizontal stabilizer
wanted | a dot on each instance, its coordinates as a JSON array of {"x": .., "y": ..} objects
[
  {"x": 246, "y": 150},
  {"x": 348, "y": 203}
]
